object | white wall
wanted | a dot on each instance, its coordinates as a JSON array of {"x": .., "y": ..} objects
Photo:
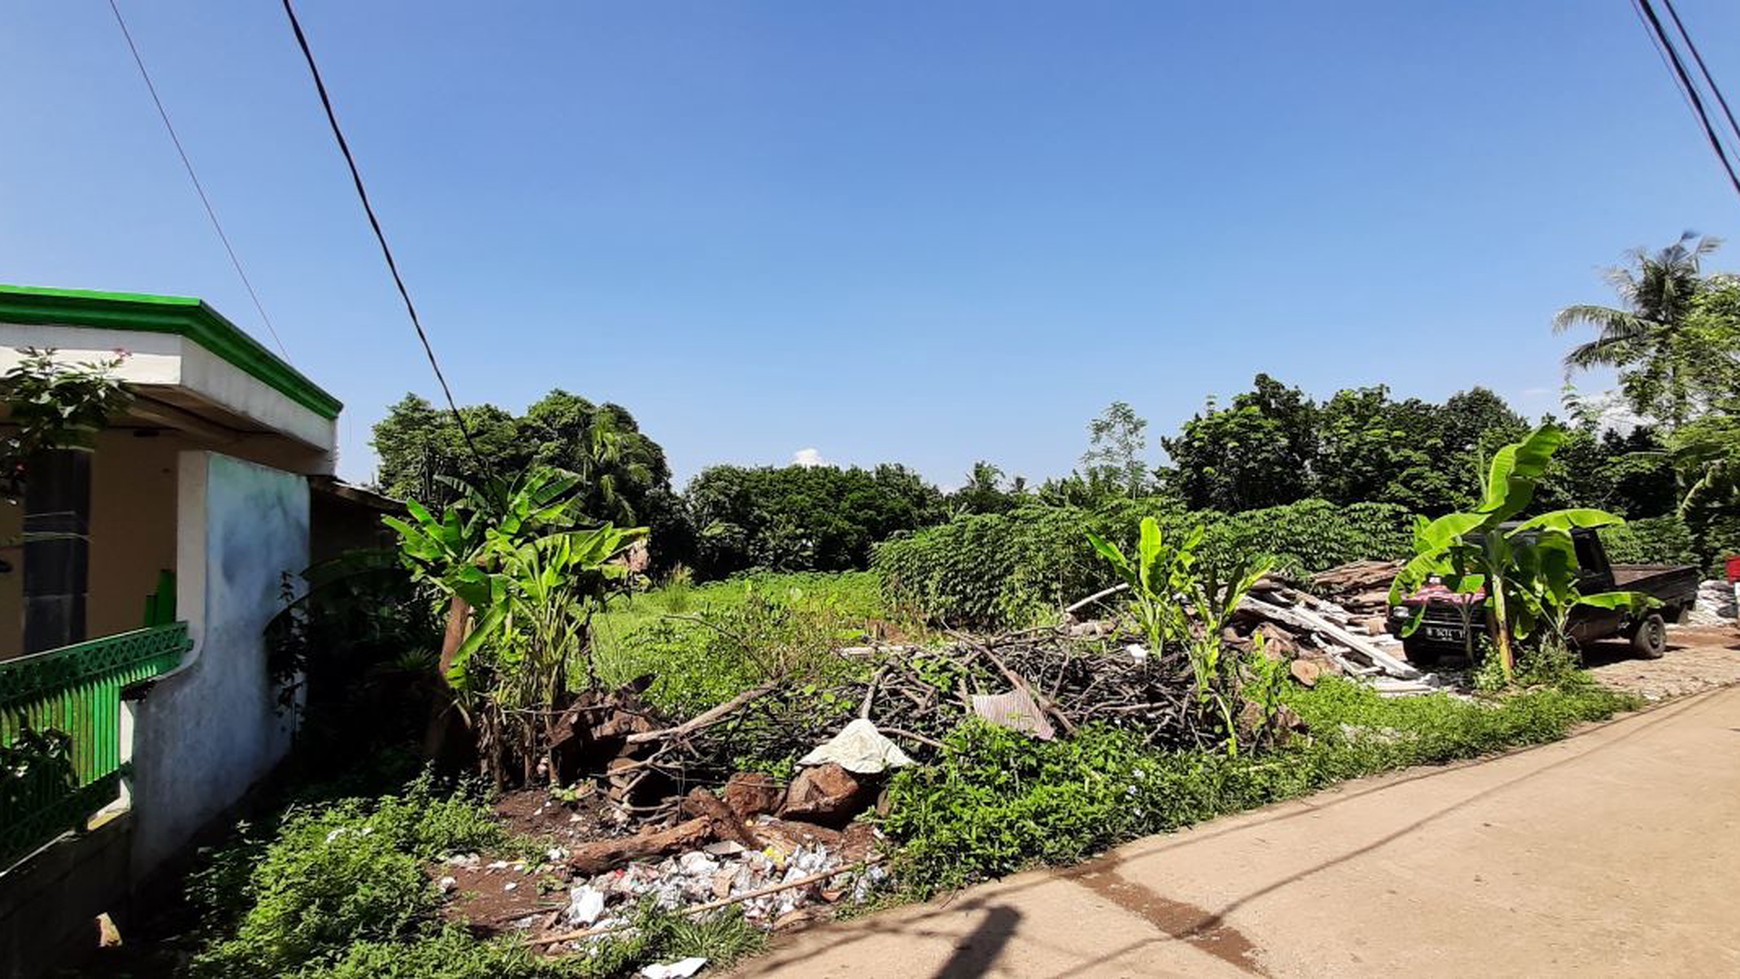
[{"x": 207, "y": 732}]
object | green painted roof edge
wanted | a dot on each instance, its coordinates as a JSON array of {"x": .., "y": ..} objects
[{"x": 180, "y": 315}]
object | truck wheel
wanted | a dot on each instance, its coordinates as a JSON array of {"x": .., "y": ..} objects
[
  {"x": 1649, "y": 639},
  {"x": 1419, "y": 653}
]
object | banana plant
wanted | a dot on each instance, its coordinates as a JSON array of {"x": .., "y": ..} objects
[
  {"x": 1156, "y": 579},
  {"x": 1214, "y": 598},
  {"x": 1523, "y": 575}
]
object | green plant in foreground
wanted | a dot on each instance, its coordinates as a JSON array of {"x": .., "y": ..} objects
[
  {"x": 512, "y": 557},
  {"x": 1524, "y": 575},
  {"x": 1156, "y": 579},
  {"x": 333, "y": 876},
  {"x": 996, "y": 802}
]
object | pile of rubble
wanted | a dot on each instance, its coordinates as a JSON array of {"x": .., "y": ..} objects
[
  {"x": 786, "y": 853},
  {"x": 1335, "y": 626},
  {"x": 1715, "y": 605}
]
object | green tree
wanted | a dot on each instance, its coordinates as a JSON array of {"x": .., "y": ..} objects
[
  {"x": 1372, "y": 449},
  {"x": 624, "y": 476},
  {"x": 1117, "y": 439},
  {"x": 1657, "y": 293},
  {"x": 803, "y": 518},
  {"x": 984, "y": 492},
  {"x": 1259, "y": 452}
]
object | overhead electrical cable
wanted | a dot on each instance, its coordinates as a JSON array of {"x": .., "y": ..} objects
[
  {"x": 198, "y": 188},
  {"x": 380, "y": 236},
  {"x": 1703, "y": 69},
  {"x": 1684, "y": 79}
]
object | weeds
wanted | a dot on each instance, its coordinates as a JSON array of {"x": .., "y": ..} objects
[
  {"x": 332, "y": 876},
  {"x": 997, "y": 802}
]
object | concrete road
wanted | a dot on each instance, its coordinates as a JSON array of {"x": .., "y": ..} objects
[{"x": 1616, "y": 852}]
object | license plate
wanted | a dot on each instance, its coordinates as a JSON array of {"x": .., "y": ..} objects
[{"x": 1443, "y": 633}]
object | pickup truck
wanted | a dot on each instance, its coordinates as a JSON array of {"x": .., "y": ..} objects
[{"x": 1442, "y": 628}]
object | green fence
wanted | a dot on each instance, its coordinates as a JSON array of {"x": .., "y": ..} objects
[{"x": 60, "y": 730}]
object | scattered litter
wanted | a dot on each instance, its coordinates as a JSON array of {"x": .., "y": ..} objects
[
  {"x": 859, "y": 748},
  {"x": 447, "y": 884},
  {"x": 510, "y": 885},
  {"x": 1016, "y": 711},
  {"x": 585, "y": 905},
  {"x": 680, "y": 969},
  {"x": 1137, "y": 651}
]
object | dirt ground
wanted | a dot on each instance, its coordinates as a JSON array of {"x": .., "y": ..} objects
[
  {"x": 1699, "y": 658},
  {"x": 1605, "y": 854}
]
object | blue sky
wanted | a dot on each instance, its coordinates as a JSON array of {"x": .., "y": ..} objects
[{"x": 919, "y": 232}]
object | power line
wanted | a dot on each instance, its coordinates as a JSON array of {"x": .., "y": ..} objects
[
  {"x": 210, "y": 212},
  {"x": 1691, "y": 91},
  {"x": 380, "y": 236},
  {"x": 1703, "y": 69}
]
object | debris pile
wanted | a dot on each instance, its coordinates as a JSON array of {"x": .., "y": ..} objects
[
  {"x": 1715, "y": 605},
  {"x": 785, "y": 853}
]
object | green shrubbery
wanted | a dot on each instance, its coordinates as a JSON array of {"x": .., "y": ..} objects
[
  {"x": 706, "y": 644},
  {"x": 1654, "y": 540},
  {"x": 332, "y": 876},
  {"x": 341, "y": 891},
  {"x": 1016, "y": 568},
  {"x": 998, "y": 801}
]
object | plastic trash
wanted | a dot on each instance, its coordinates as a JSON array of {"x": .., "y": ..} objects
[
  {"x": 585, "y": 904},
  {"x": 859, "y": 748},
  {"x": 680, "y": 969}
]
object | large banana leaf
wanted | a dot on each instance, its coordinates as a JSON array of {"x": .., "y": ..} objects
[
  {"x": 1515, "y": 471},
  {"x": 1566, "y": 520}
]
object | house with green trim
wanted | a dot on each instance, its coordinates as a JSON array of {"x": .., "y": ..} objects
[{"x": 134, "y": 594}]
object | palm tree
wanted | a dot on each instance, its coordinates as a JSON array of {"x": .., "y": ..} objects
[{"x": 1656, "y": 292}]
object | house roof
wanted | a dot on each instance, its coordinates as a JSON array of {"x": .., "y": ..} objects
[{"x": 179, "y": 315}]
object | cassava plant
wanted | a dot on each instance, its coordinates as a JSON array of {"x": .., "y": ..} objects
[{"x": 1522, "y": 573}]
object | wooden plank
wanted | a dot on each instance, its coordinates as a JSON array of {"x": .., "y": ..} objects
[{"x": 1303, "y": 618}]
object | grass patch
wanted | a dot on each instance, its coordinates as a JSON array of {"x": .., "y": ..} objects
[
  {"x": 998, "y": 802},
  {"x": 708, "y": 643}
]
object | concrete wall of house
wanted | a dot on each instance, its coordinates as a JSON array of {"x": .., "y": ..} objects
[
  {"x": 207, "y": 732},
  {"x": 133, "y": 525}
]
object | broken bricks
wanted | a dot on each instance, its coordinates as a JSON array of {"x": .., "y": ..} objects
[
  {"x": 826, "y": 794},
  {"x": 749, "y": 794}
]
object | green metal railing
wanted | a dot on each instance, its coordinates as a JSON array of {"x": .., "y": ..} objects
[{"x": 60, "y": 730}]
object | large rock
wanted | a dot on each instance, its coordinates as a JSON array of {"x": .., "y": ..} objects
[
  {"x": 749, "y": 794},
  {"x": 826, "y": 794}
]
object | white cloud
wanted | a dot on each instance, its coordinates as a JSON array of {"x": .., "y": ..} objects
[{"x": 808, "y": 458}]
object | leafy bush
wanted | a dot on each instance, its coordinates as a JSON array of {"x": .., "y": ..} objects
[
  {"x": 998, "y": 801},
  {"x": 1313, "y": 535},
  {"x": 454, "y": 953},
  {"x": 1017, "y": 568},
  {"x": 333, "y": 876},
  {"x": 1655, "y": 540},
  {"x": 707, "y": 644}
]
